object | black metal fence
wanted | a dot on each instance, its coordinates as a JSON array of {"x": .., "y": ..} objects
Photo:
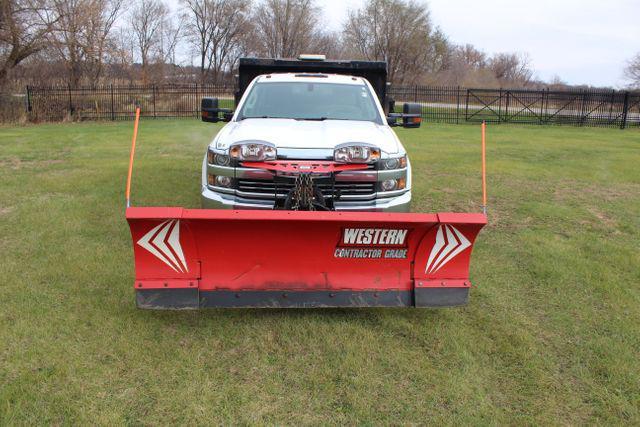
[
  {"x": 119, "y": 102},
  {"x": 605, "y": 108},
  {"x": 12, "y": 107}
]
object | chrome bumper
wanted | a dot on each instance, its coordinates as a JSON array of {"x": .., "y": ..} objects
[
  {"x": 396, "y": 201},
  {"x": 215, "y": 200}
]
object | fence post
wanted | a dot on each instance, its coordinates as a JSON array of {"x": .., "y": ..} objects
[
  {"x": 458, "y": 105},
  {"x": 611, "y": 102},
  {"x": 582, "y": 109},
  {"x": 153, "y": 91},
  {"x": 29, "y": 108},
  {"x": 466, "y": 108},
  {"x": 506, "y": 107},
  {"x": 625, "y": 109},
  {"x": 500, "y": 106},
  {"x": 542, "y": 104},
  {"x": 113, "y": 111},
  {"x": 70, "y": 102},
  {"x": 546, "y": 108}
]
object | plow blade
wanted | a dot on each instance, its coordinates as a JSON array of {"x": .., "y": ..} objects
[{"x": 194, "y": 258}]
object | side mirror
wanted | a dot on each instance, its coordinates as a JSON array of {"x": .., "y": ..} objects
[
  {"x": 392, "y": 121},
  {"x": 391, "y": 105},
  {"x": 411, "y": 115},
  {"x": 210, "y": 112}
]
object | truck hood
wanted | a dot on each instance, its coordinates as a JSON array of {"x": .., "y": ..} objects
[{"x": 289, "y": 133}]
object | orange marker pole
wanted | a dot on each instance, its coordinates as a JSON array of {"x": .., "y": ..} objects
[
  {"x": 484, "y": 170},
  {"x": 133, "y": 151}
]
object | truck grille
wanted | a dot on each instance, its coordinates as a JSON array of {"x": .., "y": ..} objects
[{"x": 259, "y": 188}]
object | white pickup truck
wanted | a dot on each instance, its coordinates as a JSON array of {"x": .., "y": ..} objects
[{"x": 301, "y": 118}]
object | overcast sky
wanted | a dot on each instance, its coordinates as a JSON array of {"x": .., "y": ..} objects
[{"x": 582, "y": 41}]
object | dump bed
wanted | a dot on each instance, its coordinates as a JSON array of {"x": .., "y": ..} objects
[{"x": 374, "y": 71}]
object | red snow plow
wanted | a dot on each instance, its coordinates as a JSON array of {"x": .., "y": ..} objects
[
  {"x": 196, "y": 258},
  {"x": 191, "y": 258}
]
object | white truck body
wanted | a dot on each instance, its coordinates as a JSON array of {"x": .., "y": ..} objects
[{"x": 309, "y": 138}]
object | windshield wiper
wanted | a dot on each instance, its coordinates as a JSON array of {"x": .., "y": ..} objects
[
  {"x": 261, "y": 117},
  {"x": 312, "y": 119}
]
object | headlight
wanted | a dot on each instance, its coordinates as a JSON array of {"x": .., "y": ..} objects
[
  {"x": 223, "y": 181},
  {"x": 394, "y": 163},
  {"x": 219, "y": 181},
  {"x": 217, "y": 158},
  {"x": 253, "y": 151},
  {"x": 393, "y": 184},
  {"x": 356, "y": 153},
  {"x": 221, "y": 159}
]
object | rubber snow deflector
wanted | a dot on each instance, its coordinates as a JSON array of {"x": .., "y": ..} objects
[{"x": 192, "y": 258}]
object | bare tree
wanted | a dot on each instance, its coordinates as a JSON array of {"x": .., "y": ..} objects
[
  {"x": 197, "y": 16},
  {"x": 24, "y": 26},
  {"x": 146, "y": 21},
  {"x": 438, "y": 53},
  {"x": 217, "y": 28},
  {"x": 470, "y": 56},
  {"x": 122, "y": 55},
  {"x": 466, "y": 66},
  {"x": 511, "y": 68},
  {"x": 287, "y": 28},
  {"x": 227, "y": 40},
  {"x": 469, "y": 66},
  {"x": 171, "y": 34},
  {"x": 396, "y": 31},
  {"x": 556, "y": 83},
  {"x": 632, "y": 71},
  {"x": 82, "y": 34},
  {"x": 76, "y": 38}
]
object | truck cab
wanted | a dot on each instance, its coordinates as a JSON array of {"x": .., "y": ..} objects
[{"x": 299, "y": 113}]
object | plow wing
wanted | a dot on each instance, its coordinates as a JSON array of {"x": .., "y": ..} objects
[{"x": 193, "y": 258}]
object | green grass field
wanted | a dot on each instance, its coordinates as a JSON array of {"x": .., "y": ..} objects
[{"x": 551, "y": 335}]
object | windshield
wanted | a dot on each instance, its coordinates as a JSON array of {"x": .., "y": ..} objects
[{"x": 310, "y": 101}]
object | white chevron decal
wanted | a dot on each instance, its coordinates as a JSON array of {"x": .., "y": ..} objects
[
  {"x": 166, "y": 248},
  {"x": 449, "y": 243}
]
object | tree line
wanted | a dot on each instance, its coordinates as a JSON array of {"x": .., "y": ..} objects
[{"x": 89, "y": 42}]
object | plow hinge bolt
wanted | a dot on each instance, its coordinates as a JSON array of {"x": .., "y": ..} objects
[
  {"x": 139, "y": 284},
  {"x": 237, "y": 295},
  {"x": 284, "y": 295},
  {"x": 331, "y": 295},
  {"x": 166, "y": 284},
  {"x": 443, "y": 283},
  {"x": 190, "y": 283}
]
